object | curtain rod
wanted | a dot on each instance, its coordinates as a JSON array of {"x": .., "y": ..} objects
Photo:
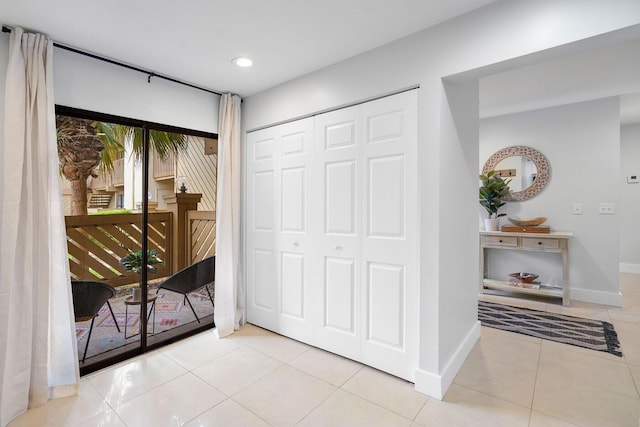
[{"x": 150, "y": 74}]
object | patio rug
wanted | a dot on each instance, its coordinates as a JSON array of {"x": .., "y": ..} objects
[
  {"x": 170, "y": 313},
  {"x": 587, "y": 333}
]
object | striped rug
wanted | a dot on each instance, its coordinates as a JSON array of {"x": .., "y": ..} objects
[{"x": 588, "y": 333}]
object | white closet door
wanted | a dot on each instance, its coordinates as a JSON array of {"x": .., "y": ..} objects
[
  {"x": 278, "y": 182},
  {"x": 339, "y": 159},
  {"x": 261, "y": 228},
  {"x": 390, "y": 294},
  {"x": 293, "y": 240},
  {"x": 332, "y": 224}
]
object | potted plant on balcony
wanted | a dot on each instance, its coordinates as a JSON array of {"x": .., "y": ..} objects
[
  {"x": 493, "y": 191},
  {"x": 133, "y": 262}
]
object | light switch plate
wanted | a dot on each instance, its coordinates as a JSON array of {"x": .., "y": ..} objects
[
  {"x": 577, "y": 209},
  {"x": 606, "y": 208}
]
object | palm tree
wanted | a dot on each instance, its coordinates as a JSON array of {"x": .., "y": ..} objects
[
  {"x": 114, "y": 137},
  {"x": 84, "y": 145},
  {"x": 79, "y": 149}
]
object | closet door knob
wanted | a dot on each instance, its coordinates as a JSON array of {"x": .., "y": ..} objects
[
  {"x": 296, "y": 244},
  {"x": 337, "y": 247}
]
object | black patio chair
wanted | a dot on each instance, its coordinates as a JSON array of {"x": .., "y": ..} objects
[
  {"x": 192, "y": 278},
  {"x": 88, "y": 299}
]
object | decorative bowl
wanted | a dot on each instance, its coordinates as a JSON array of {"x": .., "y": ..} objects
[
  {"x": 524, "y": 277},
  {"x": 528, "y": 222}
]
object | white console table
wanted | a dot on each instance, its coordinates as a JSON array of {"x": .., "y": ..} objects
[{"x": 557, "y": 242}]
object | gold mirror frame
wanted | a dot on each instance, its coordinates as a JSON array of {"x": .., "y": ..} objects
[{"x": 542, "y": 166}]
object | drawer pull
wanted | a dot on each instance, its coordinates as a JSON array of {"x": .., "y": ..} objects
[
  {"x": 539, "y": 243},
  {"x": 500, "y": 240}
]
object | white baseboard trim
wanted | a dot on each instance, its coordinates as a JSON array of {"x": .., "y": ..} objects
[
  {"x": 436, "y": 386},
  {"x": 629, "y": 268},
  {"x": 68, "y": 390},
  {"x": 597, "y": 297}
]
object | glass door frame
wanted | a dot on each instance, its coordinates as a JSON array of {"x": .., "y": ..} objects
[{"x": 146, "y": 127}]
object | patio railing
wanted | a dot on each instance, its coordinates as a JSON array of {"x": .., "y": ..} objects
[
  {"x": 201, "y": 232},
  {"x": 163, "y": 168},
  {"x": 96, "y": 243}
]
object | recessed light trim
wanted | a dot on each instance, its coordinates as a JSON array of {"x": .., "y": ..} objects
[{"x": 242, "y": 61}]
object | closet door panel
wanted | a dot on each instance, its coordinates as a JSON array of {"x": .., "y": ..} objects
[
  {"x": 295, "y": 199},
  {"x": 389, "y": 242},
  {"x": 264, "y": 293},
  {"x": 338, "y": 161},
  {"x": 261, "y": 230},
  {"x": 264, "y": 195},
  {"x": 293, "y": 206},
  {"x": 340, "y": 198},
  {"x": 293, "y": 289},
  {"x": 385, "y": 291},
  {"x": 386, "y": 198},
  {"x": 339, "y": 289}
]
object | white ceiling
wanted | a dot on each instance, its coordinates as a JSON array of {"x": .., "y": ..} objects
[{"x": 195, "y": 40}]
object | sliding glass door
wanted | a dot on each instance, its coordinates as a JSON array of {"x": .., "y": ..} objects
[{"x": 140, "y": 216}]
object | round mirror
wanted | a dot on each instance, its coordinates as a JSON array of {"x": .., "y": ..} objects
[{"x": 527, "y": 168}]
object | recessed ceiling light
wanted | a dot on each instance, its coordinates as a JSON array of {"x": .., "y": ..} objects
[{"x": 241, "y": 61}]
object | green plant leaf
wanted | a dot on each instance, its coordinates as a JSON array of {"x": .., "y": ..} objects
[
  {"x": 492, "y": 192},
  {"x": 133, "y": 261}
]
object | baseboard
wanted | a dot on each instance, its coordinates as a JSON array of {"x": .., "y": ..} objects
[
  {"x": 597, "y": 297},
  {"x": 629, "y": 268},
  {"x": 436, "y": 386},
  {"x": 68, "y": 390}
]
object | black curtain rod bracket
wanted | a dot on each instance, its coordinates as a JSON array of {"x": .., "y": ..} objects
[{"x": 7, "y": 29}]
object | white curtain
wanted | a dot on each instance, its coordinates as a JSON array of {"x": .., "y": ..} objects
[
  {"x": 38, "y": 356},
  {"x": 229, "y": 295}
]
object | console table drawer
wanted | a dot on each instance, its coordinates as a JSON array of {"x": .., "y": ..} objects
[
  {"x": 500, "y": 241},
  {"x": 532, "y": 242}
]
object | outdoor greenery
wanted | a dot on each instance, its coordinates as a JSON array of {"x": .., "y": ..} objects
[
  {"x": 111, "y": 212},
  {"x": 493, "y": 191},
  {"x": 85, "y": 146},
  {"x": 79, "y": 150},
  {"x": 114, "y": 137},
  {"x": 133, "y": 261}
]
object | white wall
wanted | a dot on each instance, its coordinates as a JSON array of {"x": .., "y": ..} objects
[
  {"x": 581, "y": 143},
  {"x": 448, "y": 236},
  {"x": 93, "y": 85},
  {"x": 629, "y": 198},
  {"x": 584, "y": 76}
]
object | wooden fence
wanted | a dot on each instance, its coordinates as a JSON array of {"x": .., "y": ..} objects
[
  {"x": 201, "y": 235},
  {"x": 96, "y": 243}
]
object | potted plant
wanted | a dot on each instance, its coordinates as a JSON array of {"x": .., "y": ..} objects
[
  {"x": 493, "y": 191},
  {"x": 133, "y": 262}
]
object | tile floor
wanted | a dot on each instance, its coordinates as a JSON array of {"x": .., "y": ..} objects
[{"x": 257, "y": 378}]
